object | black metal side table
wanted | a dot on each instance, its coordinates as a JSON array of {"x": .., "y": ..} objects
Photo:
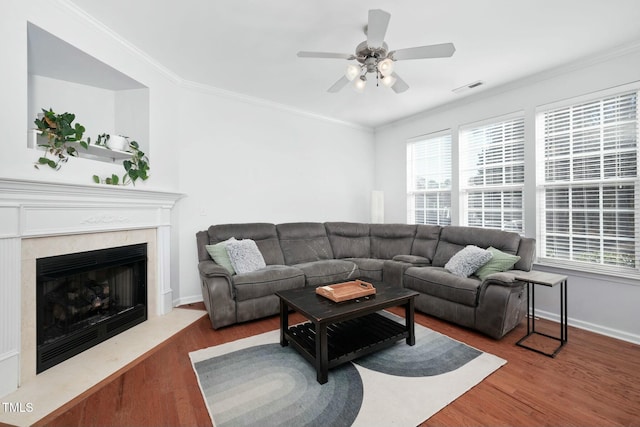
[{"x": 533, "y": 278}]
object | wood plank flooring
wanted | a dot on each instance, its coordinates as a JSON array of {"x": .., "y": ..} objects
[{"x": 594, "y": 381}]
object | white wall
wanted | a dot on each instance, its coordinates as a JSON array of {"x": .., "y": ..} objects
[
  {"x": 244, "y": 161},
  {"x": 240, "y": 161},
  {"x": 62, "y": 20},
  {"x": 600, "y": 303},
  {"x": 234, "y": 159},
  {"x": 96, "y": 104},
  {"x": 130, "y": 120}
]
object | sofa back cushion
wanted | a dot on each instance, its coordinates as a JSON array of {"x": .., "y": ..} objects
[
  {"x": 265, "y": 236},
  {"x": 455, "y": 238},
  {"x": 426, "y": 241},
  {"x": 349, "y": 239},
  {"x": 388, "y": 240},
  {"x": 304, "y": 242},
  {"x": 527, "y": 253}
]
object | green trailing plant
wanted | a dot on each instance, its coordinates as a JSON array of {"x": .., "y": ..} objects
[
  {"x": 137, "y": 167},
  {"x": 102, "y": 140},
  {"x": 62, "y": 136}
]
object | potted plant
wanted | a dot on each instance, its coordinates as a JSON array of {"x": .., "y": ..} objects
[
  {"x": 62, "y": 137},
  {"x": 137, "y": 167}
]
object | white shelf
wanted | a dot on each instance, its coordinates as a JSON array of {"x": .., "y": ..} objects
[{"x": 95, "y": 151}]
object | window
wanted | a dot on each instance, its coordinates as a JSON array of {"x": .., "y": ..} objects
[
  {"x": 492, "y": 174},
  {"x": 429, "y": 179},
  {"x": 588, "y": 182}
]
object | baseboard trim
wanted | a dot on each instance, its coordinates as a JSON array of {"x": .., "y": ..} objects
[
  {"x": 592, "y": 327},
  {"x": 9, "y": 368},
  {"x": 187, "y": 300}
]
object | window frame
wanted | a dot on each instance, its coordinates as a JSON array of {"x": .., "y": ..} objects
[
  {"x": 466, "y": 190},
  {"x": 412, "y": 192},
  {"x": 572, "y": 184}
]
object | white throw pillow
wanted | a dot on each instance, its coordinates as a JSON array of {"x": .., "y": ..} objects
[
  {"x": 467, "y": 261},
  {"x": 245, "y": 256}
]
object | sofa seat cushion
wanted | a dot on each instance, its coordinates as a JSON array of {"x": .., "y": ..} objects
[
  {"x": 438, "y": 282},
  {"x": 370, "y": 268},
  {"x": 329, "y": 271},
  {"x": 267, "y": 281},
  {"x": 416, "y": 260}
]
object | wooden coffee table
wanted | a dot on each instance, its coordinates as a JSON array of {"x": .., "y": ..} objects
[{"x": 340, "y": 332}]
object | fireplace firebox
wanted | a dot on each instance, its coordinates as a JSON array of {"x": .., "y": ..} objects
[{"x": 85, "y": 298}]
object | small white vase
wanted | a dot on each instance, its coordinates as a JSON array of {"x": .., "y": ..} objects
[{"x": 118, "y": 143}]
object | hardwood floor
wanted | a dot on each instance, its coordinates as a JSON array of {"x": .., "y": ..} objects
[{"x": 594, "y": 381}]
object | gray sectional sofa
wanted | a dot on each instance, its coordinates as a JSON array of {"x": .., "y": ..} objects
[{"x": 413, "y": 256}]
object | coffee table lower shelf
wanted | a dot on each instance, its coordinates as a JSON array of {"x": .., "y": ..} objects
[{"x": 348, "y": 339}]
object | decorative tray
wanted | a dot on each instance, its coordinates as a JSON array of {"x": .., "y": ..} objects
[{"x": 346, "y": 291}]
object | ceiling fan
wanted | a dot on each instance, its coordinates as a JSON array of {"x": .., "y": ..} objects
[{"x": 374, "y": 56}]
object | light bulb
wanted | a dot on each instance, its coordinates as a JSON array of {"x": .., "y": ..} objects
[
  {"x": 385, "y": 67},
  {"x": 360, "y": 83},
  {"x": 389, "y": 81},
  {"x": 352, "y": 71}
]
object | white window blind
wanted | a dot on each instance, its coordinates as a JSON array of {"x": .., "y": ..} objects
[
  {"x": 492, "y": 174},
  {"x": 588, "y": 183},
  {"x": 429, "y": 180}
]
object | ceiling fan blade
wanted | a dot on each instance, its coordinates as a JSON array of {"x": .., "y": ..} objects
[
  {"x": 339, "y": 85},
  {"x": 303, "y": 54},
  {"x": 443, "y": 50},
  {"x": 400, "y": 85},
  {"x": 377, "y": 27}
]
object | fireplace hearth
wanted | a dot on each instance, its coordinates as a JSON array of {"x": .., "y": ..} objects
[{"x": 85, "y": 298}]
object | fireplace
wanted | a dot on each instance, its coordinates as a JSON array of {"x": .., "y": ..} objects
[
  {"x": 47, "y": 219},
  {"x": 85, "y": 298}
]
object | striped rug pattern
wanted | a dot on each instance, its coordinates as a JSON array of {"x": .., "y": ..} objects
[{"x": 256, "y": 382}]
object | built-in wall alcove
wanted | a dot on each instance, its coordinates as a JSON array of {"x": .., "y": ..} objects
[{"x": 104, "y": 100}]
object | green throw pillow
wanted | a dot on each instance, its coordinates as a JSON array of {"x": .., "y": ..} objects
[
  {"x": 499, "y": 262},
  {"x": 219, "y": 254}
]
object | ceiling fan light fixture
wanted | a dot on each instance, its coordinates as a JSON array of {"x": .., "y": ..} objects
[
  {"x": 389, "y": 81},
  {"x": 385, "y": 67},
  {"x": 352, "y": 71},
  {"x": 359, "y": 84}
]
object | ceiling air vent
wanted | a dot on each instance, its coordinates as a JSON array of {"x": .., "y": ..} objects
[{"x": 468, "y": 86}]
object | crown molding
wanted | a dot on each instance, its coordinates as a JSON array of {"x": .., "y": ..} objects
[
  {"x": 187, "y": 84},
  {"x": 591, "y": 60},
  {"x": 200, "y": 87},
  {"x": 98, "y": 25}
]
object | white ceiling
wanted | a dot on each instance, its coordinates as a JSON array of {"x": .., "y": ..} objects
[{"x": 249, "y": 46}]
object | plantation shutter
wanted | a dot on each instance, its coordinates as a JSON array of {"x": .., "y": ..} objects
[
  {"x": 589, "y": 182},
  {"x": 429, "y": 180},
  {"x": 492, "y": 174}
]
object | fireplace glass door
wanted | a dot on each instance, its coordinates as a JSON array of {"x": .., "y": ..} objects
[{"x": 86, "y": 298}]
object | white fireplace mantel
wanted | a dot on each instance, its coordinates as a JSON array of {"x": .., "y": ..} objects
[{"x": 32, "y": 209}]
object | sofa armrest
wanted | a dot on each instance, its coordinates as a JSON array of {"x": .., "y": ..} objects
[
  {"x": 501, "y": 304},
  {"x": 211, "y": 269},
  {"x": 217, "y": 294},
  {"x": 506, "y": 278}
]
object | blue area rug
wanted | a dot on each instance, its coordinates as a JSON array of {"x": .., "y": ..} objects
[{"x": 256, "y": 382}]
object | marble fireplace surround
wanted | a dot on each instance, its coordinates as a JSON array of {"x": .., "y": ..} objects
[{"x": 39, "y": 219}]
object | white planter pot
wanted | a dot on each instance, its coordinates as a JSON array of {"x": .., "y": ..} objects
[{"x": 118, "y": 143}]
